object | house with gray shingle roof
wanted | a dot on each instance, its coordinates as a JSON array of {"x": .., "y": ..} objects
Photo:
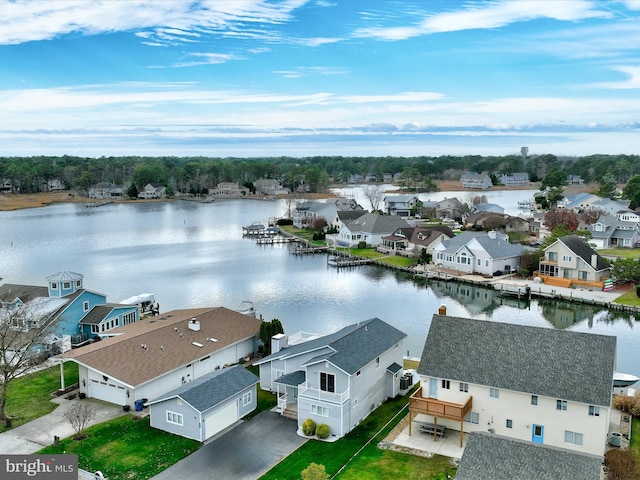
[
  {"x": 610, "y": 231},
  {"x": 488, "y": 457},
  {"x": 400, "y": 205},
  {"x": 480, "y": 253},
  {"x": 206, "y": 406},
  {"x": 572, "y": 258},
  {"x": 337, "y": 379},
  {"x": 539, "y": 385},
  {"x": 369, "y": 228}
]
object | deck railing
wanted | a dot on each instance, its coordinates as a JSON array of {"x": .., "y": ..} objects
[
  {"x": 439, "y": 408},
  {"x": 306, "y": 391}
]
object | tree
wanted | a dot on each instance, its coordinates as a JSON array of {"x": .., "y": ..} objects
[
  {"x": 268, "y": 330},
  {"x": 626, "y": 269},
  {"x": 79, "y": 415},
  {"x": 608, "y": 189},
  {"x": 318, "y": 224},
  {"x": 314, "y": 472},
  {"x": 631, "y": 192},
  {"x": 621, "y": 465},
  {"x": 561, "y": 218},
  {"x": 21, "y": 335},
  {"x": 132, "y": 191},
  {"x": 591, "y": 215},
  {"x": 375, "y": 194},
  {"x": 555, "y": 178}
]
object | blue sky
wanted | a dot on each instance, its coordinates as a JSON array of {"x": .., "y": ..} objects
[{"x": 319, "y": 77}]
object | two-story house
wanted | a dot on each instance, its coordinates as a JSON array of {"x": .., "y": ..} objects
[
  {"x": 570, "y": 258},
  {"x": 401, "y": 205},
  {"x": 610, "y": 231},
  {"x": 475, "y": 180},
  {"x": 514, "y": 179},
  {"x": 106, "y": 190},
  {"x": 337, "y": 379},
  {"x": 307, "y": 212},
  {"x": 546, "y": 386},
  {"x": 369, "y": 228},
  {"x": 410, "y": 241},
  {"x": 153, "y": 190}
]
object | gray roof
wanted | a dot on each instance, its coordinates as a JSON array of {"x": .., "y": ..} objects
[
  {"x": 99, "y": 312},
  {"x": 65, "y": 276},
  {"x": 498, "y": 247},
  {"x": 394, "y": 367},
  {"x": 10, "y": 291},
  {"x": 294, "y": 378},
  {"x": 213, "y": 388},
  {"x": 584, "y": 251},
  {"x": 488, "y": 457},
  {"x": 374, "y": 223},
  {"x": 348, "y": 215},
  {"x": 542, "y": 361},
  {"x": 350, "y": 348}
]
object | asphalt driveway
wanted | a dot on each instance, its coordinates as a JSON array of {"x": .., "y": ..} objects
[{"x": 243, "y": 453}]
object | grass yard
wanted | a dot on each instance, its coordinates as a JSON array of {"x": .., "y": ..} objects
[
  {"x": 371, "y": 463},
  {"x": 634, "y": 442},
  {"x": 620, "y": 252},
  {"x": 399, "y": 261},
  {"x": 29, "y": 397},
  {"x": 126, "y": 448},
  {"x": 628, "y": 298}
]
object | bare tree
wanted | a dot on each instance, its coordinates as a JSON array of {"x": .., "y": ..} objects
[
  {"x": 375, "y": 194},
  {"x": 79, "y": 415},
  {"x": 22, "y": 331}
]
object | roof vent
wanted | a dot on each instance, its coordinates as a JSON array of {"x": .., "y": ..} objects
[
  {"x": 214, "y": 340},
  {"x": 199, "y": 345},
  {"x": 194, "y": 325}
]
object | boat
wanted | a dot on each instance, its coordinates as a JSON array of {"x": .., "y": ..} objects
[
  {"x": 246, "y": 308},
  {"x": 623, "y": 380},
  {"x": 145, "y": 301}
]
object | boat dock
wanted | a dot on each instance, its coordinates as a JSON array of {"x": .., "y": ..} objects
[
  {"x": 347, "y": 261},
  {"x": 269, "y": 240}
]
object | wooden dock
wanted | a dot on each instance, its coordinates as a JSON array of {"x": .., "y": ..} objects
[
  {"x": 269, "y": 240},
  {"x": 346, "y": 261}
]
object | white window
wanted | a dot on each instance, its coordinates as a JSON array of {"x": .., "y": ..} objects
[
  {"x": 319, "y": 410},
  {"x": 54, "y": 286},
  {"x": 128, "y": 318},
  {"x": 486, "y": 263},
  {"x": 573, "y": 438},
  {"x": 582, "y": 274},
  {"x": 472, "y": 417},
  {"x": 246, "y": 399},
  {"x": 446, "y": 384},
  {"x": 561, "y": 404},
  {"x": 66, "y": 285},
  {"x": 175, "y": 418},
  {"x": 566, "y": 258},
  {"x": 464, "y": 387},
  {"x": 594, "y": 411},
  {"x": 85, "y": 306},
  {"x": 494, "y": 392}
]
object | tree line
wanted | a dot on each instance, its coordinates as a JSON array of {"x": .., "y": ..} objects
[{"x": 199, "y": 174}]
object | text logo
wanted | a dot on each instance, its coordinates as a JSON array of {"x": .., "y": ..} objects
[{"x": 49, "y": 467}]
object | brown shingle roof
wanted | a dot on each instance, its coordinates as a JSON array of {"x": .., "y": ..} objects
[{"x": 168, "y": 342}]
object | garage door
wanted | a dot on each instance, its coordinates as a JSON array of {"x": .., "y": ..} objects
[
  {"x": 108, "y": 392},
  {"x": 221, "y": 419}
]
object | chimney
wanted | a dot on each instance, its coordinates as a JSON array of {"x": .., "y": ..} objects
[
  {"x": 594, "y": 260},
  {"x": 278, "y": 342},
  {"x": 492, "y": 234},
  {"x": 194, "y": 325}
]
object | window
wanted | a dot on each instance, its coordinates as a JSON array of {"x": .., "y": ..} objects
[
  {"x": 327, "y": 382},
  {"x": 509, "y": 423},
  {"x": 534, "y": 399},
  {"x": 582, "y": 274},
  {"x": 553, "y": 256},
  {"x": 377, "y": 362},
  {"x": 446, "y": 384},
  {"x": 464, "y": 387},
  {"x": 573, "y": 438},
  {"x": 566, "y": 258},
  {"x": 66, "y": 285},
  {"x": 85, "y": 306},
  {"x": 128, "y": 318},
  {"x": 77, "y": 283},
  {"x": 479, "y": 262},
  {"x": 54, "y": 286},
  {"x": 175, "y": 418},
  {"x": 246, "y": 399},
  {"x": 561, "y": 404},
  {"x": 320, "y": 411},
  {"x": 594, "y": 411},
  {"x": 494, "y": 392},
  {"x": 472, "y": 417}
]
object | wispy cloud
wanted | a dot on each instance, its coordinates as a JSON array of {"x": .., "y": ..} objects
[
  {"x": 300, "y": 72},
  {"x": 632, "y": 81}
]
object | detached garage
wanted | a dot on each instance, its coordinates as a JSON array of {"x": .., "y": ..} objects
[{"x": 206, "y": 406}]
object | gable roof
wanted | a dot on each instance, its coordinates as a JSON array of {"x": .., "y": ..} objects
[
  {"x": 211, "y": 389},
  {"x": 99, "y": 312},
  {"x": 350, "y": 348},
  {"x": 168, "y": 342},
  {"x": 541, "y": 361},
  {"x": 499, "y": 247},
  {"x": 488, "y": 456},
  {"x": 374, "y": 223},
  {"x": 583, "y": 250},
  {"x": 10, "y": 291}
]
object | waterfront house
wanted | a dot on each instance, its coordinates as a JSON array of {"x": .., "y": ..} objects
[
  {"x": 270, "y": 186},
  {"x": 206, "y": 406},
  {"x": 449, "y": 208},
  {"x": 499, "y": 222},
  {"x": 481, "y": 253},
  {"x": 572, "y": 259},
  {"x": 153, "y": 190},
  {"x": 337, "y": 379},
  {"x": 64, "y": 304},
  {"x": 106, "y": 190},
  {"x": 230, "y": 189},
  {"x": 368, "y": 228},
  {"x": 541, "y": 385},
  {"x": 487, "y": 207},
  {"x": 410, "y": 241},
  {"x": 156, "y": 355},
  {"x": 401, "y": 205},
  {"x": 514, "y": 179},
  {"x": 475, "y": 180},
  {"x": 307, "y": 212},
  {"x": 611, "y": 232},
  {"x": 488, "y": 456}
]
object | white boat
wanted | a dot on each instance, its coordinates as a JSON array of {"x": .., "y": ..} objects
[
  {"x": 623, "y": 380},
  {"x": 246, "y": 308},
  {"x": 145, "y": 301}
]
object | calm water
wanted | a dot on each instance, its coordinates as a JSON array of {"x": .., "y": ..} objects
[{"x": 192, "y": 255}]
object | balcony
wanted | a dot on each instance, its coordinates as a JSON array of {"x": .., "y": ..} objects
[
  {"x": 304, "y": 390},
  {"x": 439, "y": 408}
]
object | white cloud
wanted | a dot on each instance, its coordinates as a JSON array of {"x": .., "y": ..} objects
[{"x": 632, "y": 81}]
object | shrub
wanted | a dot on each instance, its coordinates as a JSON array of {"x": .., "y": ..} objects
[
  {"x": 284, "y": 221},
  {"x": 309, "y": 427},
  {"x": 362, "y": 244},
  {"x": 621, "y": 465},
  {"x": 314, "y": 472},
  {"x": 627, "y": 404},
  {"x": 323, "y": 431},
  {"x": 637, "y": 290}
]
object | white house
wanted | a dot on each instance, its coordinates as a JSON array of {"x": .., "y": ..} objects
[
  {"x": 475, "y": 180},
  {"x": 610, "y": 231},
  {"x": 307, "y": 212},
  {"x": 541, "y": 385},
  {"x": 337, "y": 379},
  {"x": 514, "y": 179},
  {"x": 369, "y": 228},
  {"x": 400, "y": 205},
  {"x": 149, "y": 358},
  {"x": 153, "y": 190},
  {"x": 570, "y": 258}
]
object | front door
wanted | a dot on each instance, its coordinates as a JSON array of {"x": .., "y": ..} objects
[
  {"x": 433, "y": 387},
  {"x": 537, "y": 433}
]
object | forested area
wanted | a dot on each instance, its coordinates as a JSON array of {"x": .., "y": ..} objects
[{"x": 199, "y": 174}]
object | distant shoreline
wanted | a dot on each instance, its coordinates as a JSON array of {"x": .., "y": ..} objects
[{"x": 11, "y": 201}]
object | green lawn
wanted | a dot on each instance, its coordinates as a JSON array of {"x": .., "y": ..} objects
[
  {"x": 29, "y": 397},
  {"x": 628, "y": 298},
  {"x": 620, "y": 252},
  {"x": 126, "y": 448},
  {"x": 634, "y": 443},
  {"x": 371, "y": 462}
]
